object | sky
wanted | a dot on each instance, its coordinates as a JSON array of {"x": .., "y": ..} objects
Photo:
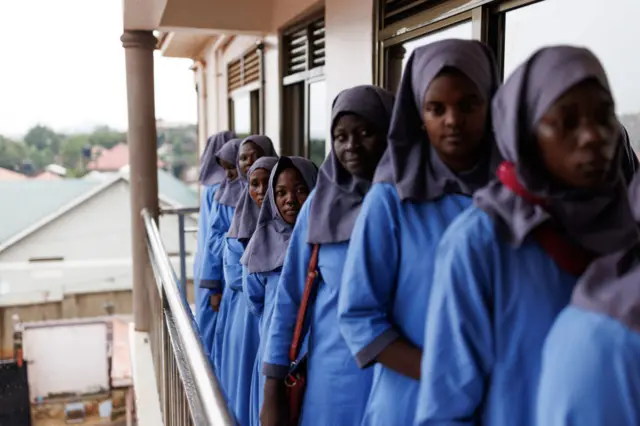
[{"x": 62, "y": 65}]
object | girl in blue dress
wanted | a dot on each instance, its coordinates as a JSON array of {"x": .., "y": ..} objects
[
  {"x": 590, "y": 371},
  {"x": 265, "y": 253},
  {"x": 336, "y": 390},
  {"x": 506, "y": 267},
  {"x": 440, "y": 151},
  {"x": 235, "y": 340},
  {"x": 212, "y": 174}
]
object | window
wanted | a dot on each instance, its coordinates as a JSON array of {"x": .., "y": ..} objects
[
  {"x": 304, "y": 118},
  {"x": 610, "y": 32},
  {"x": 244, "y": 83}
]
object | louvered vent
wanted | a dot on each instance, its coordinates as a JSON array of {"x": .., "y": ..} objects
[
  {"x": 396, "y": 10},
  {"x": 305, "y": 47},
  {"x": 243, "y": 71}
]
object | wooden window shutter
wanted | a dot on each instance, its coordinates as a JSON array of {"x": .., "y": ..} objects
[
  {"x": 394, "y": 11},
  {"x": 304, "y": 47},
  {"x": 244, "y": 70}
]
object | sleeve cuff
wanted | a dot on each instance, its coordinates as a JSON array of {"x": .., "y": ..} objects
[
  {"x": 275, "y": 371},
  {"x": 213, "y": 285},
  {"x": 367, "y": 355}
]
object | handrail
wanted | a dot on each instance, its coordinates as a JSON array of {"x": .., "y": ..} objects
[{"x": 207, "y": 403}]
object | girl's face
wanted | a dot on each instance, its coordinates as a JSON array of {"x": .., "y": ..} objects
[
  {"x": 290, "y": 192},
  {"x": 578, "y": 136},
  {"x": 230, "y": 170},
  {"x": 258, "y": 185},
  {"x": 454, "y": 115},
  {"x": 358, "y": 145},
  {"x": 249, "y": 153}
]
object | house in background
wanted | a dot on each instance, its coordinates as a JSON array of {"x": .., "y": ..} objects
[
  {"x": 112, "y": 160},
  {"x": 10, "y": 175},
  {"x": 65, "y": 246}
]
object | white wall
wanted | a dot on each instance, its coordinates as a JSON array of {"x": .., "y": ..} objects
[{"x": 100, "y": 228}]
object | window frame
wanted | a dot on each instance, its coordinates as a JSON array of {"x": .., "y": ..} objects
[{"x": 254, "y": 89}]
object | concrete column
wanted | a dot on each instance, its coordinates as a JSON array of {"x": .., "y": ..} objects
[{"x": 143, "y": 160}]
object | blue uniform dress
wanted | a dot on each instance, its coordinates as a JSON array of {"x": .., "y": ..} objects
[
  {"x": 386, "y": 286},
  {"x": 590, "y": 372},
  {"x": 259, "y": 290},
  {"x": 489, "y": 315},
  {"x": 336, "y": 390},
  {"x": 220, "y": 222},
  {"x": 240, "y": 335}
]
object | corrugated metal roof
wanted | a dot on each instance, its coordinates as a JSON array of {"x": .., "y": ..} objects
[{"x": 23, "y": 203}]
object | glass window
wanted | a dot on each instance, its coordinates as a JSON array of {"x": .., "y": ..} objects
[
  {"x": 462, "y": 30},
  {"x": 242, "y": 115},
  {"x": 317, "y": 121},
  {"x": 610, "y": 31}
]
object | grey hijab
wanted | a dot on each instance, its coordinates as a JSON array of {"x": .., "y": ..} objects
[
  {"x": 338, "y": 195},
  {"x": 611, "y": 284},
  {"x": 263, "y": 142},
  {"x": 245, "y": 216},
  {"x": 211, "y": 172},
  {"x": 410, "y": 162},
  {"x": 268, "y": 245},
  {"x": 599, "y": 222},
  {"x": 229, "y": 191}
]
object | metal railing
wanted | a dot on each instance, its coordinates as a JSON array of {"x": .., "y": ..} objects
[
  {"x": 181, "y": 212},
  {"x": 189, "y": 392}
]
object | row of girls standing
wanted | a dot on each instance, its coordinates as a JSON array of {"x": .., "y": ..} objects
[{"x": 445, "y": 234}]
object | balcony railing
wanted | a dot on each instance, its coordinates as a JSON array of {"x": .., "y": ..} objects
[{"x": 188, "y": 390}]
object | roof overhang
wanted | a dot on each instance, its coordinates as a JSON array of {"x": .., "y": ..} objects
[{"x": 184, "y": 44}]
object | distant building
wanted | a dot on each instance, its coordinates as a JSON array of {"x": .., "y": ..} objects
[
  {"x": 112, "y": 160},
  {"x": 10, "y": 175}
]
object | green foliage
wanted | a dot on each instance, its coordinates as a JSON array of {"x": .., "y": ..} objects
[{"x": 12, "y": 153}]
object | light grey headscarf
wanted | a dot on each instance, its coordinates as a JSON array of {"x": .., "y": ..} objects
[
  {"x": 598, "y": 221},
  {"x": 611, "y": 284},
  {"x": 211, "y": 172},
  {"x": 230, "y": 191},
  {"x": 339, "y": 194},
  {"x": 245, "y": 216},
  {"x": 268, "y": 245},
  {"x": 410, "y": 162}
]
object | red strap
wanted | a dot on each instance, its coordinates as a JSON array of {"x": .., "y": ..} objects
[
  {"x": 312, "y": 276},
  {"x": 567, "y": 255}
]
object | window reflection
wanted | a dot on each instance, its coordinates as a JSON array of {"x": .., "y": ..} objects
[
  {"x": 611, "y": 32},
  {"x": 242, "y": 115},
  {"x": 462, "y": 30},
  {"x": 317, "y": 122}
]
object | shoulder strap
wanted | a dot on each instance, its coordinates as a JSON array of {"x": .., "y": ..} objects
[
  {"x": 568, "y": 256},
  {"x": 312, "y": 276}
]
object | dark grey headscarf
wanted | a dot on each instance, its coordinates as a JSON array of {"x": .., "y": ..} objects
[
  {"x": 245, "y": 216},
  {"x": 263, "y": 142},
  {"x": 410, "y": 162},
  {"x": 600, "y": 221},
  {"x": 211, "y": 172},
  {"x": 339, "y": 194},
  {"x": 611, "y": 285},
  {"x": 268, "y": 245},
  {"x": 229, "y": 191}
]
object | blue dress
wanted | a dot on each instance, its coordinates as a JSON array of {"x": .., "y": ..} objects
[
  {"x": 590, "y": 372},
  {"x": 240, "y": 335},
  {"x": 488, "y": 318},
  {"x": 259, "y": 290},
  {"x": 205, "y": 315},
  {"x": 220, "y": 224},
  {"x": 386, "y": 287},
  {"x": 337, "y": 389}
]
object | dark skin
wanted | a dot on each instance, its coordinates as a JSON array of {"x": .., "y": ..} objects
[
  {"x": 454, "y": 115},
  {"x": 578, "y": 137},
  {"x": 290, "y": 192},
  {"x": 258, "y": 185},
  {"x": 248, "y": 154},
  {"x": 231, "y": 172},
  {"x": 358, "y": 145}
]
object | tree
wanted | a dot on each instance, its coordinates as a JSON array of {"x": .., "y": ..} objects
[
  {"x": 106, "y": 137},
  {"x": 71, "y": 151},
  {"x": 43, "y": 138},
  {"x": 12, "y": 154}
]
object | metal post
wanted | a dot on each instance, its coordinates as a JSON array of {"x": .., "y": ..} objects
[
  {"x": 143, "y": 160},
  {"x": 183, "y": 255}
]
